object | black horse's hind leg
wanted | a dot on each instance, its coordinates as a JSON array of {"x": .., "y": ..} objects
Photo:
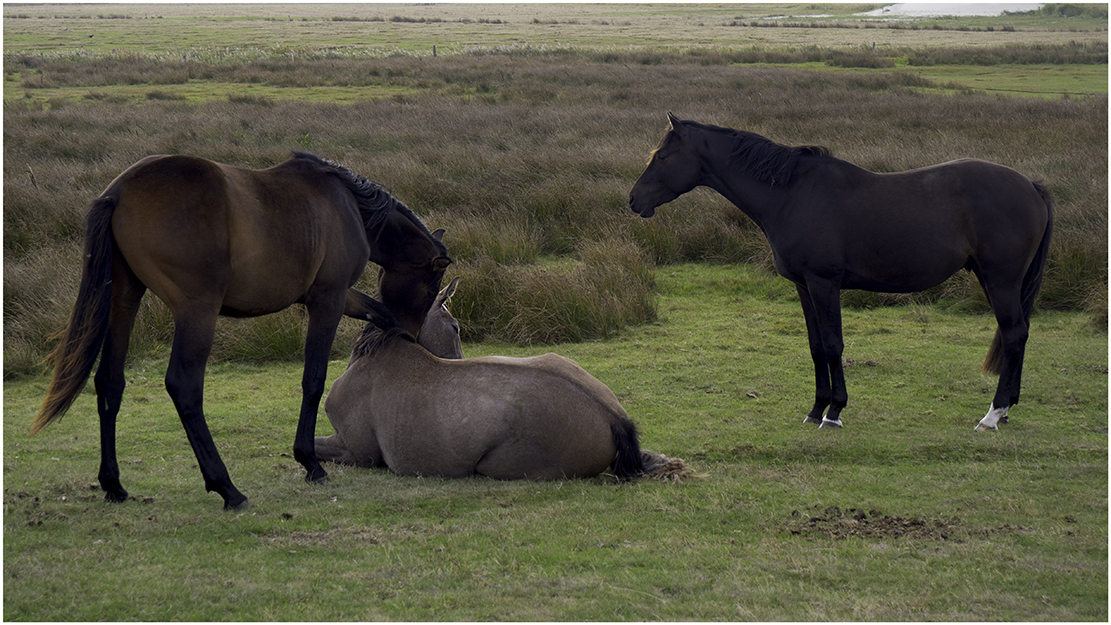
[
  {"x": 193, "y": 334},
  {"x": 109, "y": 379},
  {"x": 821, "y": 306},
  {"x": 1014, "y": 330},
  {"x": 325, "y": 311}
]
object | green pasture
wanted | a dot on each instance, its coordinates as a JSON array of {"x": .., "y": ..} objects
[
  {"x": 175, "y": 29},
  {"x": 238, "y": 34},
  {"x": 957, "y": 524},
  {"x": 522, "y": 138}
]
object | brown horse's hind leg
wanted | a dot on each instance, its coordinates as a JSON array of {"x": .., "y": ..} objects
[
  {"x": 109, "y": 380},
  {"x": 193, "y": 334}
]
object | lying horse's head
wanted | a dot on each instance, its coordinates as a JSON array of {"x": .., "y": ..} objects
[{"x": 439, "y": 334}]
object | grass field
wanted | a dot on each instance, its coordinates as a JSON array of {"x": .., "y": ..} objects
[
  {"x": 522, "y": 138},
  {"x": 957, "y": 525}
]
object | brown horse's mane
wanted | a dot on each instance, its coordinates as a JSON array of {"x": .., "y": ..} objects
[
  {"x": 764, "y": 159},
  {"x": 373, "y": 338},
  {"x": 373, "y": 200}
]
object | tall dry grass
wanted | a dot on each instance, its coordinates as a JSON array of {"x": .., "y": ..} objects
[{"x": 527, "y": 162}]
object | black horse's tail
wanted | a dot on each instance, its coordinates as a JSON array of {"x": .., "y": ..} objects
[
  {"x": 83, "y": 336},
  {"x": 629, "y": 463},
  {"x": 1031, "y": 284}
]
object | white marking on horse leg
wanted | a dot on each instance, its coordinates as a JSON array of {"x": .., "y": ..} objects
[
  {"x": 830, "y": 423},
  {"x": 992, "y": 418}
]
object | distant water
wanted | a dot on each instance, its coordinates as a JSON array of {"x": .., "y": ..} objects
[{"x": 914, "y": 9}]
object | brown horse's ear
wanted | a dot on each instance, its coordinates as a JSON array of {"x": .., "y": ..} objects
[
  {"x": 438, "y": 234},
  {"x": 441, "y": 262}
]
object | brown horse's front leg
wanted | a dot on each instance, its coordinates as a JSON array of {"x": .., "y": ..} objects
[
  {"x": 325, "y": 312},
  {"x": 359, "y": 305}
]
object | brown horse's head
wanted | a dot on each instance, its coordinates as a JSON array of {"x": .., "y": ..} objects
[
  {"x": 412, "y": 264},
  {"x": 673, "y": 169}
]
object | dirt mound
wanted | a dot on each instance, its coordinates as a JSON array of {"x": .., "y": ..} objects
[{"x": 833, "y": 522}]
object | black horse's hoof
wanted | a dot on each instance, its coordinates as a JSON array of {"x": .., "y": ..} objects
[
  {"x": 241, "y": 505},
  {"x": 116, "y": 496},
  {"x": 320, "y": 478}
]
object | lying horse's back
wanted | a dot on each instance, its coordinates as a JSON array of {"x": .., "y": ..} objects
[{"x": 542, "y": 417}]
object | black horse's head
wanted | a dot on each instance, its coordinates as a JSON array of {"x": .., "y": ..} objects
[{"x": 673, "y": 169}]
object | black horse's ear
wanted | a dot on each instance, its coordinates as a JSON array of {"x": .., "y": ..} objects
[
  {"x": 673, "y": 120},
  {"x": 438, "y": 234}
]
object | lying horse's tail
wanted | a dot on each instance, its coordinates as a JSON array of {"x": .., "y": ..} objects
[
  {"x": 629, "y": 463},
  {"x": 1031, "y": 283},
  {"x": 81, "y": 340}
]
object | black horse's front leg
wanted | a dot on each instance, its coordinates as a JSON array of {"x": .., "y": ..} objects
[{"x": 821, "y": 307}]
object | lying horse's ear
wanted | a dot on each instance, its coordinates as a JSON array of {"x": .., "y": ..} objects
[
  {"x": 438, "y": 234},
  {"x": 448, "y": 291}
]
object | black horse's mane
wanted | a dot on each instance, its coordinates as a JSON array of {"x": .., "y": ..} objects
[
  {"x": 373, "y": 338},
  {"x": 765, "y": 159},
  {"x": 373, "y": 200}
]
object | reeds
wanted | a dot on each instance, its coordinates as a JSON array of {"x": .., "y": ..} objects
[{"x": 527, "y": 160}]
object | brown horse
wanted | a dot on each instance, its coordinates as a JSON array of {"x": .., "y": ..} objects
[
  {"x": 832, "y": 225},
  {"x": 210, "y": 239},
  {"x": 399, "y": 406}
]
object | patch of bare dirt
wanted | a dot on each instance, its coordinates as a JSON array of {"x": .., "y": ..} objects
[{"x": 833, "y": 522}]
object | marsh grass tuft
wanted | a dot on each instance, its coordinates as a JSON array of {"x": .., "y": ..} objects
[{"x": 607, "y": 287}]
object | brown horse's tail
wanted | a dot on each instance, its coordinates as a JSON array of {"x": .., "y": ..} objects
[
  {"x": 629, "y": 463},
  {"x": 1031, "y": 284},
  {"x": 81, "y": 340}
]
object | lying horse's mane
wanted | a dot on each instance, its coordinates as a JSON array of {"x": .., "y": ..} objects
[
  {"x": 765, "y": 159},
  {"x": 373, "y": 338},
  {"x": 373, "y": 200}
]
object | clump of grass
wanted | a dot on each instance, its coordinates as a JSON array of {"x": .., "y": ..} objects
[{"x": 607, "y": 287}]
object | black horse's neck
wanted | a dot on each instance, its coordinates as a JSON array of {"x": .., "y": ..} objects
[{"x": 751, "y": 171}]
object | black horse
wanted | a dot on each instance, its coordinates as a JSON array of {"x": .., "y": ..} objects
[
  {"x": 211, "y": 239},
  {"x": 832, "y": 225}
]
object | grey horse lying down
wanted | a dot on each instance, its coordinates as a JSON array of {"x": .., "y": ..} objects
[{"x": 402, "y": 406}]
